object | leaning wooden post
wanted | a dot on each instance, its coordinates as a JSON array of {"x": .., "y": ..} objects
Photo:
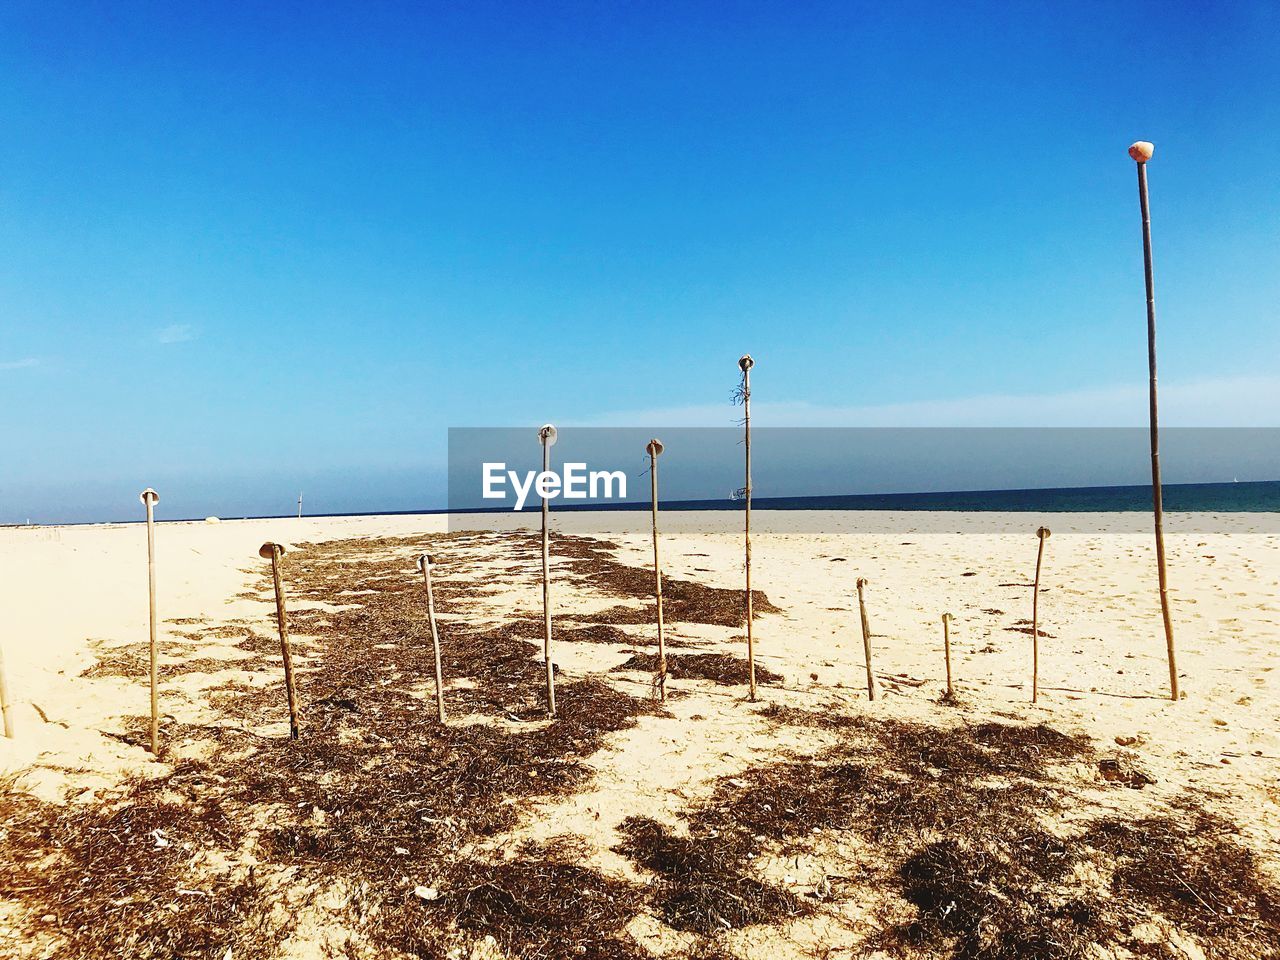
[
  {"x": 424, "y": 564},
  {"x": 745, "y": 363},
  {"x": 149, "y": 499},
  {"x": 274, "y": 552},
  {"x": 946, "y": 649},
  {"x": 547, "y": 436},
  {"x": 1043, "y": 534},
  {"x": 654, "y": 448},
  {"x": 6, "y": 705},
  {"x": 873, "y": 688},
  {"x": 1141, "y": 152}
]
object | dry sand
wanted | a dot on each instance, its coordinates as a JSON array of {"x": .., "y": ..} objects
[{"x": 74, "y": 593}]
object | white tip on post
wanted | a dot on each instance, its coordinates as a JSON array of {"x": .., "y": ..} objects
[
  {"x": 149, "y": 496},
  {"x": 745, "y": 362},
  {"x": 547, "y": 434},
  {"x": 1142, "y": 151}
]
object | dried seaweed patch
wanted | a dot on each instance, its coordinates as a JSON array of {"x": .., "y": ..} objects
[
  {"x": 719, "y": 668},
  {"x": 705, "y": 884}
]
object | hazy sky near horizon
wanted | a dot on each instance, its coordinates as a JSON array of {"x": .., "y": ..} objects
[{"x": 247, "y": 250}]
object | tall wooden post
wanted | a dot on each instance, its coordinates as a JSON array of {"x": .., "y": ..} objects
[
  {"x": 1141, "y": 152},
  {"x": 1043, "y": 534},
  {"x": 424, "y": 564},
  {"x": 654, "y": 449},
  {"x": 547, "y": 436},
  {"x": 873, "y": 688},
  {"x": 274, "y": 552},
  {"x": 149, "y": 499},
  {"x": 745, "y": 363}
]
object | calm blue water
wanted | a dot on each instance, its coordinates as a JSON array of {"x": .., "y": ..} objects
[
  {"x": 1251, "y": 497},
  {"x": 1184, "y": 497},
  {"x": 1258, "y": 497}
]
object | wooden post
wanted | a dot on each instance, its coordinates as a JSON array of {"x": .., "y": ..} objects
[
  {"x": 149, "y": 499},
  {"x": 6, "y": 705},
  {"x": 873, "y": 688},
  {"x": 424, "y": 564},
  {"x": 299, "y": 506},
  {"x": 1043, "y": 534},
  {"x": 547, "y": 436},
  {"x": 654, "y": 448},
  {"x": 946, "y": 649},
  {"x": 1141, "y": 152},
  {"x": 745, "y": 363},
  {"x": 274, "y": 552}
]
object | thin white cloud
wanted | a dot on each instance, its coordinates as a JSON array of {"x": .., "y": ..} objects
[
  {"x": 1225, "y": 402},
  {"x": 19, "y": 364},
  {"x": 176, "y": 333}
]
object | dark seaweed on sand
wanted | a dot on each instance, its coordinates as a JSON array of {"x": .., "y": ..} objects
[
  {"x": 684, "y": 601},
  {"x": 705, "y": 881},
  {"x": 375, "y": 797},
  {"x": 957, "y": 830},
  {"x": 959, "y": 823},
  {"x": 719, "y": 668}
]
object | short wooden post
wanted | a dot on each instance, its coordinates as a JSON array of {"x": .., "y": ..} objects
[
  {"x": 6, "y": 706},
  {"x": 745, "y": 363},
  {"x": 654, "y": 449},
  {"x": 149, "y": 499},
  {"x": 547, "y": 437},
  {"x": 1043, "y": 534},
  {"x": 424, "y": 564},
  {"x": 299, "y": 506},
  {"x": 274, "y": 552},
  {"x": 946, "y": 648},
  {"x": 873, "y": 688}
]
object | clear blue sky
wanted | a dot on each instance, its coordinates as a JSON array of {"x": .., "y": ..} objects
[{"x": 252, "y": 248}]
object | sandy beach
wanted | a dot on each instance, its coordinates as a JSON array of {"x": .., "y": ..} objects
[{"x": 74, "y": 639}]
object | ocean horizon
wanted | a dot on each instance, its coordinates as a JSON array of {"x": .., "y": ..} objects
[{"x": 1226, "y": 497}]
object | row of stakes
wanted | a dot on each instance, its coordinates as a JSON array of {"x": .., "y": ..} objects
[
  {"x": 275, "y": 553},
  {"x": 1141, "y": 152}
]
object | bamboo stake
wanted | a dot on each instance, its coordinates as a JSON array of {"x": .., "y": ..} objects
[
  {"x": 873, "y": 686},
  {"x": 424, "y": 564},
  {"x": 6, "y": 705},
  {"x": 1043, "y": 534},
  {"x": 1141, "y": 152},
  {"x": 547, "y": 436},
  {"x": 274, "y": 552},
  {"x": 149, "y": 499},
  {"x": 745, "y": 363},
  {"x": 654, "y": 448},
  {"x": 946, "y": 647}
]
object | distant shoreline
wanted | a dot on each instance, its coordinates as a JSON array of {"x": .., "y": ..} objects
[{"x": 1236, "y": 497}]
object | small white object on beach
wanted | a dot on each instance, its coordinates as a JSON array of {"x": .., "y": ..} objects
[
  {"x": 426, "y": 893},
  {"x": 212, "y": 520},
  {"x": 1142, "y": 150}
]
